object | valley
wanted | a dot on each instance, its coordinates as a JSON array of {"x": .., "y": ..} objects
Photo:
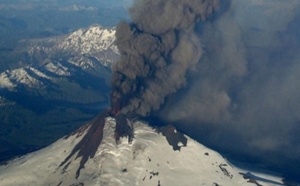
[{"x": 63, "y": 84}]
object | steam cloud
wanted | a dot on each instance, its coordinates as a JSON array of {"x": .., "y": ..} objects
[
  {"x": 243, "y": 68},
  {"x": 157, "y": 50}
]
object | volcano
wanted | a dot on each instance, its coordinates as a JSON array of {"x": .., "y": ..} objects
[
  {"x": 149, "y": 156},
  {"x": 157, "y": 56}
]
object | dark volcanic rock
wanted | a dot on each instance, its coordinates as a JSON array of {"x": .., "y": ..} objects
[
  {"x": 89, "y": 144},
  {"x": 173, "y": 136},
  {"x": 123, "y": 128}
]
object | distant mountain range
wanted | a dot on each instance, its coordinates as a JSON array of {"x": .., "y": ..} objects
[
  {"x": 65, "y": 83},
  {"x": 44, "y": 18}
]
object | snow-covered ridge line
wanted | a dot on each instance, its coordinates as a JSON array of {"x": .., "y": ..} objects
[
  {"x": 31, "y": 77},
  {"x": 147, "y": 160},
  {"x": 96, "y": 42},
  {"x": 91, "y": 50},
  {"x": 77, "y": 7},
  {"x": 88, "y": 40},
  {"x": 58, "y": 80}
]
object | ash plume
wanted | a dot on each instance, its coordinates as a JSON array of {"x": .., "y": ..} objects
[
  {"x": 242, "y": 91},
  {"x": 244, "y": 98},
  {"x": 158, "y": 48}
]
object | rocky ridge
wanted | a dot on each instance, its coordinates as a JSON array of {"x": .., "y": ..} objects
[{"x": 64, "y": 83}]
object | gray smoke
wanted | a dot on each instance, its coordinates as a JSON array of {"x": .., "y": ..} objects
[
  {"x": 157, "y": 50},
  {"x": 245, "y": 95},
  {"x": 243, "y": 66}
]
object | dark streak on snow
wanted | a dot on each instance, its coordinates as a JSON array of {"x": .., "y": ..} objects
[
  {"x": 154, "y": 173},
  {"x": 79, "y": 132},
  {"x": 89, "y": 144},
  {"x": 253, "y": 179},
  {"x": 123, "y": 128},
  {"x": 173, "y": 137},
  {"x": 64, "y": 170},
  {"x": 225, "y": 171},
  {"x": 250, "y": 179},
  {"x": 78, "y": 184}
]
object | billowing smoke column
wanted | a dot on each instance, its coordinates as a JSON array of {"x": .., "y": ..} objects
[
  {"x": 243, "y": 93},
  {"x": 157, "y": 50},
  {"x": 244, "y": 98}
]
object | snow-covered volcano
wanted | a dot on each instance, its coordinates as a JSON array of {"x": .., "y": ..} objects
[{"x": 154, "y": 156}]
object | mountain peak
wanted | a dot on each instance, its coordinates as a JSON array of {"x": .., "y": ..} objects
[
  {"x": 92, "y": 156},
  {"x": 94, "y": 38}
]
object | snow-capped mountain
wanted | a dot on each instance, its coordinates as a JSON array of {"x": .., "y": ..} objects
[
  {"x": 64, "y": 77},
  {"x": 84, "y": 54},
  {"x": 57, "y": 81},
  {"x": 95, "y": 42},
  {"x": 44, "y": 18},
  {"x": 94, "y": 156},
  {"x": 92, "y": 40}
]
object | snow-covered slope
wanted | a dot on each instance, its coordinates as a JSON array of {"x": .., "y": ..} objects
[
  {"x": 147, "y": 160},
  {"x": 94, "y": 42},
  {"x": 88, "y": 49},
  {"x": 67, "y": 75},
  {"x": 58, "y": 80},
  {"x": 64, "y": 62},
  {"x": 93, "y": 39}
]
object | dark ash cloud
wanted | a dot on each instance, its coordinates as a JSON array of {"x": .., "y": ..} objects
[
  {"x": 239, "y": 72},
  {"x": 157, "y": 50},
  {"x": 245, "y": 95}
]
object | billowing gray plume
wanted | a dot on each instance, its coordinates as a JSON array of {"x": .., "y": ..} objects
[
  {"x": 157, "y": 50},
  {"x": 243, "y": 90}
]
